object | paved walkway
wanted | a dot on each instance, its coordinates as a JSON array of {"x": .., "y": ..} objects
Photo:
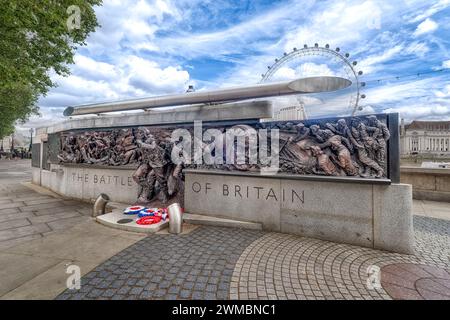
[
  {"x": 204, "y": 262},
  {"x": 42, "y": 234},
  {"x": 28, "y": 215}
]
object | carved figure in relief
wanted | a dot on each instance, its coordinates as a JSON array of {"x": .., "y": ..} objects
[
  {"x": 324, "y": 162},
  {"x": 336, "y": 143},
  {"x": 381, "y": 134},
  {"x": 152, "y": 169}
]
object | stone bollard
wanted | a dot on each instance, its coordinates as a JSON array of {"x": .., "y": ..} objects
[
  {"x": 175, "y": 218},
  {"x": 100, "y": 204}
]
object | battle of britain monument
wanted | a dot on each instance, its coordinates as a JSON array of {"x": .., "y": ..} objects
[{"x": 333, "y": 178}]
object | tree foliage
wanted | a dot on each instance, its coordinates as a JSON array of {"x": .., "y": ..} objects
[{"x": 35, "y": 41}]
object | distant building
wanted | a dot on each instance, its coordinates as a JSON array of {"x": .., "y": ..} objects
[
  {"x": 293, "y": 112},
  {"x": 5, "y": 144},
  {"x": 20, "y": 142},
  {"x": 290, "y": 113},
  {"x": 425, "y": 138}
]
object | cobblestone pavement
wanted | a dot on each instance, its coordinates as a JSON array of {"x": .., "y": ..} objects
[
  {"x": 198, "y": 265},
  {"x": 279, "y": 266},
  {"x": 28, "y": 215},
  {"x": 214, "y": 262}
]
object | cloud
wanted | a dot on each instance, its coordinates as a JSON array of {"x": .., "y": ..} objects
[
  {"x": 426, "y": 26},
  {"x": 373, "y": 62},
  {"x": 92, "y": 69},
  {"x": 435, "y": 8},
  {"x": 149, "y": 77},
  {"x": 153, "y": 47},
  {"x": 413, "y": 99}
]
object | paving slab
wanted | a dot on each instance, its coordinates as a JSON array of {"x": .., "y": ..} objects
[
  {"x": 76, "y": 244},
  {"x": 13, "y": 216},
  {"x": 16, "y": 269},
  {"x": 23, "y": 231},
  {"x": 52, "y": 217},
  {"x": 61, "y": 209},
  {"x": 13, "y": 242},
  {"x": 14, "y": 223},
  {"x": 11, "y": 205},
  {"x": 48, "y": 284}
]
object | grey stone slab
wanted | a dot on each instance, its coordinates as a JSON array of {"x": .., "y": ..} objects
[
  {"x": 6, "y": 197},
  {"x": 339, "y": 212},
  {"x": 48, "y": 284},
  {"x": 31, "y": 196},
  {"x": 86, "y": 183},
  {"x": 236, "y": 197},
  {"x": 11, "y": 205},
  {"x": 23, "y": 231},
  {"x": 77, "y": 244},
  {"x": 5, "y": 225},
  {"x": 14, "y": 216},
  {"x": 57, "y": 210},
  {"x": 219, "y": 222},
  {"x": 41, "y": 201},
  {"x": 87, "y": 211},
  {"x": 16, "y": 269},
  {"x": 42, "y": 206},
  {"x": 357, "y": 231},
  {"x": 393, "y": 220},
  {"x": 17, "y": 241},
  {"x": 53, "y": 217},
  {"x": 62, "y": 224},
  {"x": 8, "y": 211}
]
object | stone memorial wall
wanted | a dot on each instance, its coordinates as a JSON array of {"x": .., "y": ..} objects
[{"x": 350, "y": 147}]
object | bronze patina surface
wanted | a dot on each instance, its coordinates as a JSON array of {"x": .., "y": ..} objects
[{"x": 337, "y": 147}]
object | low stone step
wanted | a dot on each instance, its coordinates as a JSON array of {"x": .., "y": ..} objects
[
  {"x": 219, "y": 222},
  {"x": 118, "y": 220}
]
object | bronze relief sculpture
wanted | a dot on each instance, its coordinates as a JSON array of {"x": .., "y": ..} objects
[{"x": 342, "y": 147}]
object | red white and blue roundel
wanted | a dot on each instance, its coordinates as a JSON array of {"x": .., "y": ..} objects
[
  {"x": 133, "y": 209},
  {"x": 146, "y": 212}
]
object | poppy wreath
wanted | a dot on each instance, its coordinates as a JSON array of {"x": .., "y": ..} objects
[{"x": 147, "y": 220}]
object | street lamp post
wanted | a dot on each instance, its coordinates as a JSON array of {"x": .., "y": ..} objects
[
  {"x": 31, "y": 139},
  {"x": 12, "y": 143}
]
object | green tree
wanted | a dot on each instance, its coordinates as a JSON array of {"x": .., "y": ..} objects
[{"x": 37, "y": 38}]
